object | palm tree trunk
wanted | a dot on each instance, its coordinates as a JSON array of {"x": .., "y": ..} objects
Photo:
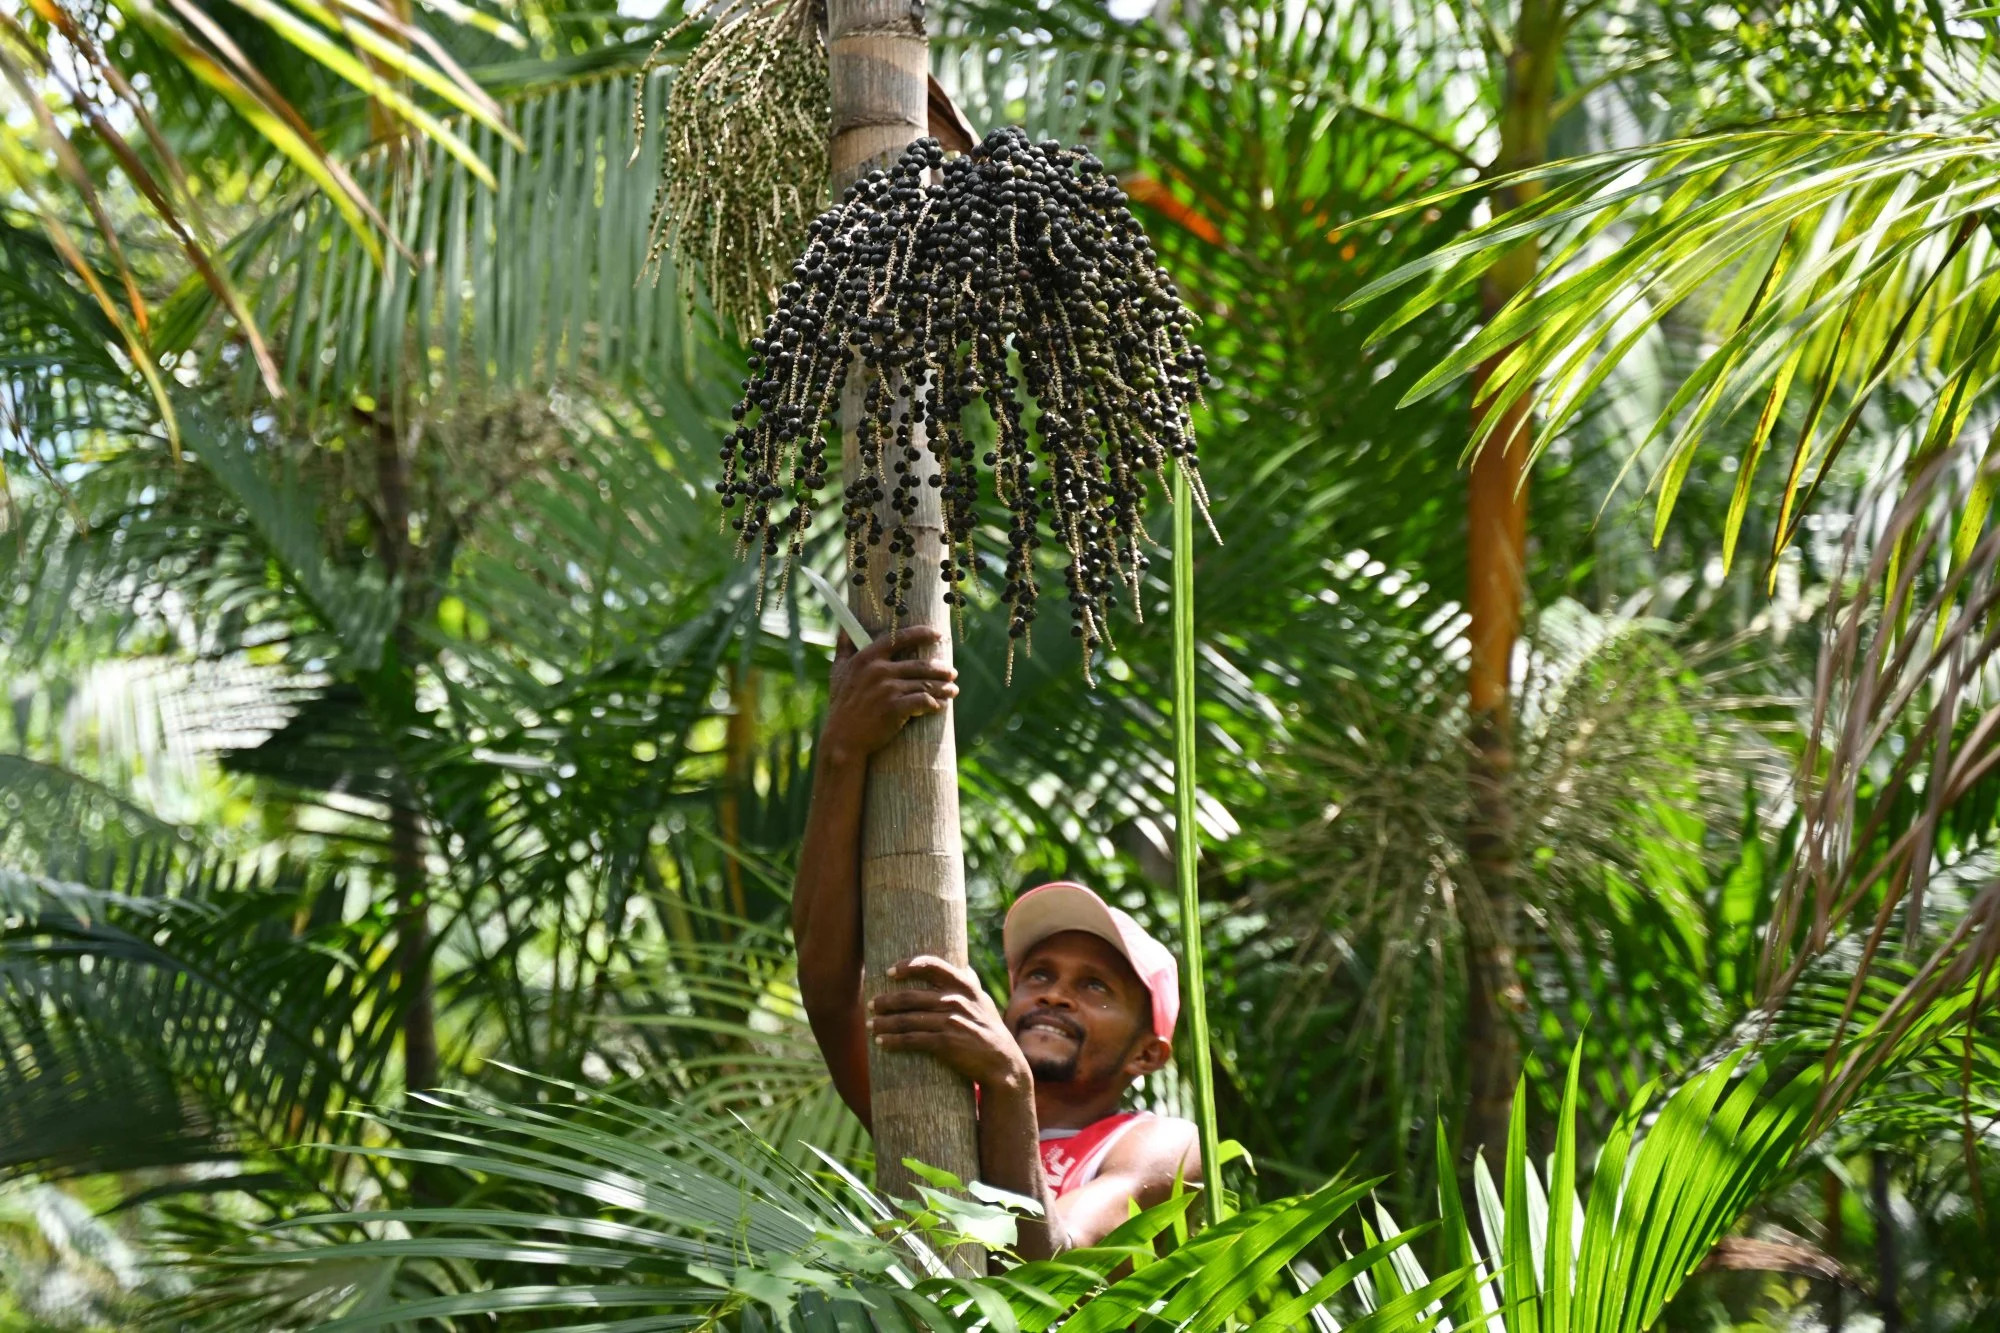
[
  {"x": 1496, "y": 568},
  {"x": 406, "y": 855},
  {"x": 912, "y": 866},
  {"x": 1495, "y": 559},
  {"x": 1888, "y": 1263},
  {"x": 413, "y": 952}
]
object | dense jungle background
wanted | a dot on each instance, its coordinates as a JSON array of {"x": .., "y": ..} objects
[{"x": 402, "y": 774}]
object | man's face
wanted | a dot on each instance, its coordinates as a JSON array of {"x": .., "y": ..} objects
[{"x": 1080, "y": 1013}]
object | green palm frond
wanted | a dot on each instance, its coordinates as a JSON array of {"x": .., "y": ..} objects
[
  {"x": 138, "y": 530},
  {"x": 61, "y": 379},
  {"x": 1630, "y": 771},
  {"x": 1068, "y": 71},
  {"x": 1678, "y": 1171},
  {"x": 1834, "y": 264},
  {"x": 725, "y": 1037},
  {"x": 176, "y": 1014},
  {"x": 541, "y": 273},
  {"x": 1076, "y": 92},
  {"x": 92, "y": 104},
  {"x": 1557, "y": 1258},
  {"x": 46, "y": 804},
  {"x": 1945, "y": 1088},
  {"x": 671, "y": 1219},
  {"x": 569, "y": 649}
]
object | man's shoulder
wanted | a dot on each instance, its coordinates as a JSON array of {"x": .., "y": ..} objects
[
  {"x": 1149, "y": 1134},
  {"x": 1154, "y": 1151}
]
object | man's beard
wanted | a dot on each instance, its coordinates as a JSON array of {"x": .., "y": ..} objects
[
  {"x": 1054, "y": 1069},
  {"x": 1049, "y": 1070}
]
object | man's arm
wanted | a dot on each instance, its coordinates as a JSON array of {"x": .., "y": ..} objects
[
  {"x": 1141, "y": 1166},
  {"x": 870, "y": 695},
  {"x": 1010, "y": 1156}
]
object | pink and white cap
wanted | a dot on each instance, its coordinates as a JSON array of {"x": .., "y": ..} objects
[{"x": 1050, "y": 909}]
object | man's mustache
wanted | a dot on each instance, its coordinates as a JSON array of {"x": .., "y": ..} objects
[{"x": 1050, "y": 1018}]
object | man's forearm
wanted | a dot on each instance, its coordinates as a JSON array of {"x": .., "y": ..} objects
[
  {"x": 870, "y": 695},
  {"x": 1010, "y": 1157},
  {"x": 826, "y": 921},
  {"x": 826, "y": 899}
]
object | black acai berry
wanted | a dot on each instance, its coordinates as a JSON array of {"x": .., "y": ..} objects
[{"x": 930, "y": 274}]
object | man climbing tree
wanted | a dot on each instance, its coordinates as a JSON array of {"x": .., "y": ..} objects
[{"x": 1092, "y": 1004}]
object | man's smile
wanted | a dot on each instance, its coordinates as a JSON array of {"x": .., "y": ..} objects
[{"x": 1048, "y": 1021}]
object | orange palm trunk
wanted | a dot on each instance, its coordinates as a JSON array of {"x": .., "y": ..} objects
[
  {"x": 1496, "y": 558},
  {"x": 1496, "y": 586}
]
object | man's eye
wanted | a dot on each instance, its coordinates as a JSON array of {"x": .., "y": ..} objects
[{"x": 1098, "y": 986}]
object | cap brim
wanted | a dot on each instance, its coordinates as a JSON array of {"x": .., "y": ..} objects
[{"x": 1052, "y": 909}]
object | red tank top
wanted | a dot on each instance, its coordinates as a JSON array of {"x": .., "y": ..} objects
[{"x": 1074, "y": 1159}]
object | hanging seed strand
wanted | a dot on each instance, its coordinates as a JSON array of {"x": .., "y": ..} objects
[
  {"x": 743, "y": 158},
  {"x": 939, "y": 278}
]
